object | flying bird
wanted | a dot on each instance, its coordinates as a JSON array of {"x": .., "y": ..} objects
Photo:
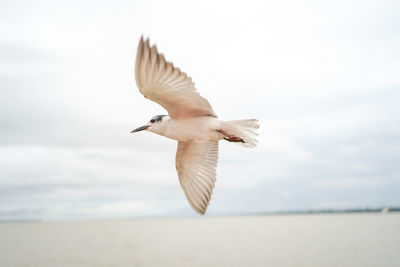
[{"x": 190, "y": 120}]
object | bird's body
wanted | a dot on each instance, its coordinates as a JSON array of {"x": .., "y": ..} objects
[
  {"x": 191, "y": 121},
  {"x": 200, "y": 129}
]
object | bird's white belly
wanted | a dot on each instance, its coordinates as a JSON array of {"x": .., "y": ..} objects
[{"x": 194, "y": 129}]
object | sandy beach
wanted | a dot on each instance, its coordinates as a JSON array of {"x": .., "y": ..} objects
[{"x": 273, "y": 240}]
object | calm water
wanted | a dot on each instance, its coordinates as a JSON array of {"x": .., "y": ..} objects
[{"x": 282, "y": 240}]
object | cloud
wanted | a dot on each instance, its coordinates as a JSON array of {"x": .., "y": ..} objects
[
  {"x": 321, "y": 77},
  {"x": 48, "y": 177}
]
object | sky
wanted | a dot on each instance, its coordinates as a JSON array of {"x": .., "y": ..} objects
[{"x": 322, "y": 77}]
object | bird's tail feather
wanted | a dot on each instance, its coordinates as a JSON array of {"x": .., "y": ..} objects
[{"x": 244, "y": 129}]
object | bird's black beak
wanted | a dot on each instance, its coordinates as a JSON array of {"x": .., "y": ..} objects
[{"x": 140, "y": 129}]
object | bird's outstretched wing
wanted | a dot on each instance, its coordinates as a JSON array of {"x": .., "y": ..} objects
[
  {"x": 196, "y": 164},
  {"x": 159, "y": 81}
]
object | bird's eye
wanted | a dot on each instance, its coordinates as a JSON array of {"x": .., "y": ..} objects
[{"x": 152, "y": 120}]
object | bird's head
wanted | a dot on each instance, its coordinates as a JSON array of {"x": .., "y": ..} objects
[{"x": 155, "y": 124}]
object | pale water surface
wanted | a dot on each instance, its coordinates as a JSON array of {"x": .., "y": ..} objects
[{"x": 281, "y": 240}]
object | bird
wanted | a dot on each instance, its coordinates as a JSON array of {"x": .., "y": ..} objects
[{"x": 191, "y": 121}]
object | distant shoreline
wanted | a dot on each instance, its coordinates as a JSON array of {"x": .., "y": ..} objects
[
  {"x": 336, "y": 211},
  {"x": 286, "y": 212}
]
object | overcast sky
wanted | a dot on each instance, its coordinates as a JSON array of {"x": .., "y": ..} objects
[{"x": 323, "y": 78}]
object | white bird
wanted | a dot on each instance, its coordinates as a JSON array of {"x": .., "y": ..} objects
[{"x": 191, "y": 121}]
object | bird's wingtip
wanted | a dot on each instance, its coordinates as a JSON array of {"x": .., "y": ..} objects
[{"x": 201, "y": 211}]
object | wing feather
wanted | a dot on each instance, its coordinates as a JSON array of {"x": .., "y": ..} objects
[
  {"x": 161, "y": 82},
  {"x": 196, "y": 164}
]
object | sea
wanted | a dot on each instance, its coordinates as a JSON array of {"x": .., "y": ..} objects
[{"x": 359, "y": 239}]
